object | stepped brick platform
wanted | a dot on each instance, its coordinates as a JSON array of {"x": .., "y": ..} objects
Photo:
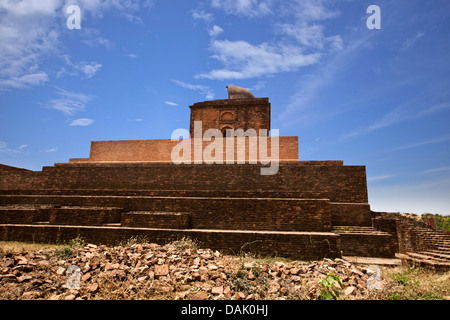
[
  {"x": 418, "y": 243},
  {"x": 306, "y": 210}
]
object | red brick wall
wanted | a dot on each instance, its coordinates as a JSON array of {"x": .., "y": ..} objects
[
  {"x": 162, "y": 220},
  {"x": 251, "y": 113},
  {"x": 299, "y": 245},
  {"x": 345, "y": 184},
  {"x": 160, "y": 150},
  {"x": 205, "y": 213}
]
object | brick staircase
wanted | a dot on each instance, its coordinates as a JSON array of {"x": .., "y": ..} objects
[
  {"x": 434, "y": 252},
  {"x": 419, "y": 244},
  {"x": 365, "y": 241},
  {"x": 357, "y": 230}
]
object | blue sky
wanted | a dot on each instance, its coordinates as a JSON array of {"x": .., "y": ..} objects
[{"x": 373, "y": 97}]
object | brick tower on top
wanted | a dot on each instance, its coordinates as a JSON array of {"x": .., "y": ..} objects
[{"x": 240, "y": 111}]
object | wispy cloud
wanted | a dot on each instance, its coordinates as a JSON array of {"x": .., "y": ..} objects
[
  {"x": 423, "y": 143},
  {"x": 170, "y": 103},
  {"x": 69, "y": 102},
  {"x": 379, "y": 178},
  {"x": 5, "y": 149},
  {"x": 50, "y": 150},
  {"x": 434, "y": 170},
  {"x": 30, "y": 32},
  {"x": 436, "y": 108},
  {"x": 396, "y": 115},
  {"x": 201, "y": 15},
  {"x": 89, "y": 69},
  {"x": 243, "y": 60},
  {"x": 26, "y": 36},
  {"x": 298, "y": 109},
  {"x": 99, "y": 42},
  {"x": 249, "y": 8},
  {"x": 411, "y": 41},
  {"x": 204, "y": 90},
  {"x": 81, "y": 122},
  {"x": 299, "y": 44},
  {"x": 215, "y": 31}
]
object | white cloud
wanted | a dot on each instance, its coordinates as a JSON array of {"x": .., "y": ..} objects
[
  {"x": 132, "y": 55},
  {"x": 4, "y": 149},
  {"x": 215, "y": 31},
  {"x": 23, "y": 81},
  {"x": 30, "y": 33},
  {"x": 209, "y": 94},
  {"x": 243, "y": 60},
  {"x": 249, "y": 8},
  {"x": 26, "y": 36},
  {"x": 379, "y": 178},
  {"x": 411, "y": 41},
  {"x": 170, "y": 103},
  {"x": 202, "y": 16},
  {"x": 90, "y": 69},
  {"x": 423, "y": 143},
  {"x": 311, "y": 10},
  {"x": 436, "y": 108},
  {"x": 50, "y": 150},
  {"x": 300, "y": 108},
  {"x": 98, "y": 42},
  {"x": 82, "y": 122},
  {"x": 441, "y": 169},
  {"x": 300, "y": 43},
  {"x": 69, "y": 102},
  {"x": 311, "y": 36}
]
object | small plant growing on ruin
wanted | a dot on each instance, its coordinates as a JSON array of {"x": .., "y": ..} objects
[
  {"x": 64, "y": 252},
  {"x": 329, "y": 291},
  {"x": 185, "y": 243},
  {"x": 77, "y": 242}
]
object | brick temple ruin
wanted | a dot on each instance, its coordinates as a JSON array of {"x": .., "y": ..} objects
[{"x": 125, "y": 189}]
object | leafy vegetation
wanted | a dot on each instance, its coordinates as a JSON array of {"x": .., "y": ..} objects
[
  {"x": 329, "y": 287},
  {"x": 441, "y": 223}
]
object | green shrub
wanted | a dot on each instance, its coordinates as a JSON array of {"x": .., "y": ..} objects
[{"x": 329, "y": 291}]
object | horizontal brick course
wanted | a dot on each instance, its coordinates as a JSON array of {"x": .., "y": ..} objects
[
  {"x": 345, "y": 184},
  {"x": 163, "y": 220},
  {"x": 209, "y": 212},
  {"x": 296, "y": 245}
]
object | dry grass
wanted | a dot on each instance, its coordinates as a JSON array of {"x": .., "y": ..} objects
[
  {"x": 406, "y": 283},
  {"x": 14, "y": 246}
]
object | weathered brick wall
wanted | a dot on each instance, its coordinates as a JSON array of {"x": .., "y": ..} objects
[
  {"x": 208, "y": 213},
  {"x": 160, "y": 150},
  {"x": 346, "y": 184},
  {"x": 409, "y": 240},
  {"x": 90, "y": 216},
  {"x": 368, "y": 245},
  {"x": 4, "y": 167},
  {"x": 387, "y": 225},
  {"x": 351, "y": 214},
  {"x": 247, "y": 114},
  {"x": 297, "y": 245},
  {"x": 20, "y": 216},
  {"x": 163, "y": 220}
]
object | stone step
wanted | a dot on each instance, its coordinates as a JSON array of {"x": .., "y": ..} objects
[
  {"x": 427, "y": 257},
  {"x": 357, "y": 230},
  {"x": 437, "y": 254},
  {"x": 436, "y": 265}
]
